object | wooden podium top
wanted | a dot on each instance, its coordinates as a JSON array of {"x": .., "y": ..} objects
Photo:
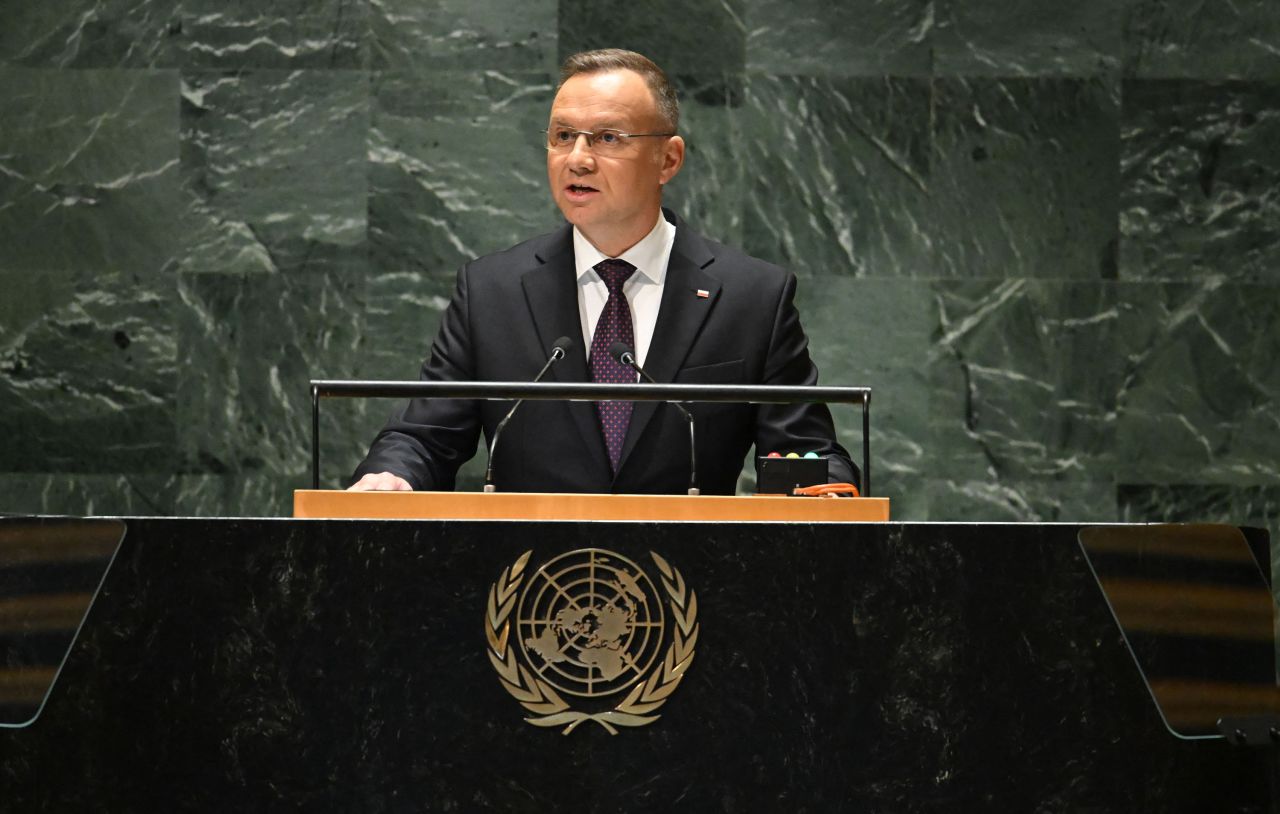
[{"x": 529, "y": 506}]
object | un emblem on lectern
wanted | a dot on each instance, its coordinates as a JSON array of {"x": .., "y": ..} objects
[{"x": 591, "y": 625}]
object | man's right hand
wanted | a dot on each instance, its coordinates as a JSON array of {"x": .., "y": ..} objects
[{"x": 380, "y": 482}]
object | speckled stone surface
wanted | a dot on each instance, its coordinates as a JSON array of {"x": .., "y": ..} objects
[
  {"x": 1216, "y": 39},
  {"x": 1200, "y": 174},
  {"x": 1046, "y": 235},
  {"x": 257, "y": 365},
  {"x": 90, "y": 164},
  {"x": 433, "y": 202},
  {"x": 1023, "y": 380},
  {"x": 340, "y": 665},
  {"x": 463, "y": 34},
  {"x": 1197, "y": 398},
  {"x": 1025, "y": 178},
  {"x": 274, "y": 171},
  {"x": 1037, "y": 38},
  {"x": 838, "y": 164},
  {"x": 853, "y": 38}
]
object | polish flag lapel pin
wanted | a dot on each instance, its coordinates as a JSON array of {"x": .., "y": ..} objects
[{"x": 702, "y": 293}]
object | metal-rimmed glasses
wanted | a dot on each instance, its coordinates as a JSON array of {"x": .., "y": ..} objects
[{"x": 563, "y": 139}]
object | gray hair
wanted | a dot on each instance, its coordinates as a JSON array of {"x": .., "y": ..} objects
[{"x": 616, "y": 59}]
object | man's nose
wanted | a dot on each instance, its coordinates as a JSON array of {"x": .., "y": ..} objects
[{"x": 581, "y": 159}]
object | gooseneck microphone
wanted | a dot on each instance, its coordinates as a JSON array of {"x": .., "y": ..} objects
[
  {"x": 558, "y": 350},
  {"x": 620, "y": 352}
]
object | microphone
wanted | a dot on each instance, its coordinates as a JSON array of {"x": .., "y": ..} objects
[
  {"x": 623, "y": 355},
  {"x": 558, "y": 349}
]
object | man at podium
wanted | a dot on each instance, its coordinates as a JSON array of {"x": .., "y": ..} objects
[{"x": 621, "y": 272}]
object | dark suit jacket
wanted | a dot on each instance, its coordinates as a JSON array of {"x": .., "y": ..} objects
[{"x": 510, "y": 307}]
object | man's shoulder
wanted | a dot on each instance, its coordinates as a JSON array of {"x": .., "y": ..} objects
[
  {"x": 521, "y": 257},
  {"x": 726, "y": 262},
  {"x": 730, "y": 264}
]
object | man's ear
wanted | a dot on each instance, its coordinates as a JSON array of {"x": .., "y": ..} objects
[{"x": 672, "y": 159}]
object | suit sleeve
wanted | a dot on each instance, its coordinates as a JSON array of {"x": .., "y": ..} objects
[
  {"x": 797, "y": 427},
  {"x": 426, "y": 440}
]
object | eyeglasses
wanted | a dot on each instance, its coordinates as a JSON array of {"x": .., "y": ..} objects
[{"x": 563, "y": 139}]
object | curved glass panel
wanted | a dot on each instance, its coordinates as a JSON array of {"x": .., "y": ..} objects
[
  {"x": 50, "y": 571},
  {"x": 1195, "y": 609}
]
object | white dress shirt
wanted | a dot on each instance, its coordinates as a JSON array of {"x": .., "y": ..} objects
[{"x": 643, "y": 290}]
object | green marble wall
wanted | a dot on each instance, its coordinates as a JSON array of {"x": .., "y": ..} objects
[{"x": 1046, "y": 234}]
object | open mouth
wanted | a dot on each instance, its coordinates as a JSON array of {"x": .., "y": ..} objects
[{"x": 580, "y": 190}]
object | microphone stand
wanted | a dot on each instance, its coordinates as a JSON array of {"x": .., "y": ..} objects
[
  {"x": 557, "y": 353},
  {"x": 624, "y": 355}
]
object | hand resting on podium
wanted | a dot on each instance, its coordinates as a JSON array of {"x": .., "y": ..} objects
[{"x": 380, "y": 482}]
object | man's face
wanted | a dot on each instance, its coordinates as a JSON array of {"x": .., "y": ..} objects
[{"x": 614, "y": 199}]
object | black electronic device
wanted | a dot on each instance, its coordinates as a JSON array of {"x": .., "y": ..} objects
[{"x": 782, "y": 476}]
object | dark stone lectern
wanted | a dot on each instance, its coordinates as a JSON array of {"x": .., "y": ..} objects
[{"x": 272, "y": 665}]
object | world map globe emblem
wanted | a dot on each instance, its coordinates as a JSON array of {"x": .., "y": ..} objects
[{"x": 590, "y": 623}]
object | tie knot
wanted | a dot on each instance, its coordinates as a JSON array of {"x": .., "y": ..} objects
[{"x": 615, "y": 273}]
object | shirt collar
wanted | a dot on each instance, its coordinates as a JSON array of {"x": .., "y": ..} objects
[{"x": 649, "y": 255}]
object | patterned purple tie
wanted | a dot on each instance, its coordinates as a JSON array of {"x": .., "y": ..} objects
[{"x": 614, "y": 325}]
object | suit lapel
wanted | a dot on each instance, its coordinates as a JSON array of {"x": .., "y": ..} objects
[
  {"x": 681, "y": 315},
  {"x": 551, "y": 292}
]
